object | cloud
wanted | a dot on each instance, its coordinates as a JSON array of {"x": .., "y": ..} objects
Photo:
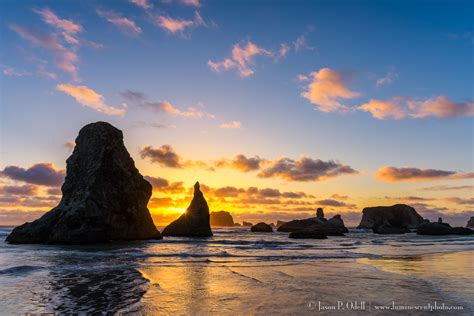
[
  {"x": 89, "y": 98},
  {"x": 339, "y": 197},
  {"x": 192, "y": 3},
  {"x": 125, "y": 25},
  {"x": 384, "y": 109},
  {"x": 26, "y": 189},
  {"x": 240, "y": 162},
  {"x": 460, "y": 201},
  {"x": 327, "y": 89},
  {"x": 54, "y": 191},
  {"x": 177, "y": 26},
  {"x": 12, "y": 72},
  {"x": 67, "y": 27},
  {"x": 448, "y": 188},
  {"x": 70, "y": 144},
  {"x": 163, "y": 185},
  {"x": 231, "y": 125},
  {"x": 167, "y": 107},
  {"x": 254, "y": 195},
  {"x": 164, "y": 156},
  {"x": 16, "y": 217},
  {"x": 284, "y": 50},
  {"x": 65, "y": 58},
  {"x": 410, "y": 198},
  {"x": 133, "y": 96},
  {"x": 335, "y": 203},
  {"x": 388, "y": 79},
  {"x": 173, "y": 25},
  {"x": 399, "y": 108},
  {"x": 440, "y": 107},
  {"x": 394, "y": 174},
  {"x": 40, "y": 173},
  {"x": 242, "y": 59},
  {"x": 304, "y": 169},
  {"x": 300, "y": 44},
  {"x": 144, "y": 4}
]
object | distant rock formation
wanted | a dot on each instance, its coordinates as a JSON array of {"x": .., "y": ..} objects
[
  {"x": 470, "y": 222},
  {"x": 279, "y": 223},
  {"x": 311, "y": 223},
  {"x": 439, "y": 229},
  {"x": 104, "y": 196},
  {"x": 307, "y": 234},
  {"x": 237, "y": 224},
  {"x": 195, "y": 222},
  {"x": 222, "y": 218},
  {"x": 244, "y": 223},
  {"x": 391, "y": 218},
  {"x": 261, "y": 228},
  {"x": 319, "y": 213},
  {"x": 337, "y": 222}
]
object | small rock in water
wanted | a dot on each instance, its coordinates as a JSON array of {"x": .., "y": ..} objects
[{"x": 261, "y": 228}]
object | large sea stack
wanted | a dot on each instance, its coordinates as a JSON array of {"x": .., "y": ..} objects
[
  {"x": 104, "y": 197},
  {"x": 195, "y": 221},
  {"x": 390, "y": 217}
]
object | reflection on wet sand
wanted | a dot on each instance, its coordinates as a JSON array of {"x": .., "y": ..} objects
[
  {"x": 282, "y": 288},
  {"x": 451, "y": 271}
]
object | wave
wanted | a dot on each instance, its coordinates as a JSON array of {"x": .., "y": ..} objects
[{"x": 19, "y": 270}]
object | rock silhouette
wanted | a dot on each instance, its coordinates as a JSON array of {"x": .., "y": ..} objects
[
  {"x": 440, "y": 228},
  {"x": 307, "y": 234},
  {"x": 222, "y": 218},
  {"x": 261, "y": 228},
  {"x": 389, "y": 230},
  {"x": 195, "y": 222},
  {"x": 244, "y": 223},
  {"x": 319, "y": 213},
  {"x": 470, "y": 222},
  {"x": 335, "y": 223},
  {"x": 399, "y": 216},
  {"x": 104, "y": 197}
]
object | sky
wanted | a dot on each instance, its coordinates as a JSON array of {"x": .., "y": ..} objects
[{"x": 277, "y": 108}]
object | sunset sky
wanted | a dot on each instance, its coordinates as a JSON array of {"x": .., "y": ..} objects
[{"x": 276, "y": 107}]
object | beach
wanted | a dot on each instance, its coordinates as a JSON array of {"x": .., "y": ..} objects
[{"x": 240, "y": 272}]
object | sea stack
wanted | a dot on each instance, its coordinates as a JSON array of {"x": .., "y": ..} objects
[
  {"x": 396, "y": 216},
  {"x": 319, "y": 213},
  {"x": 195, "y": 221},
  {"x": 104, "y": 196},
  {"x": 222, "y": 218},
  {"x": 470, "y": 222}
]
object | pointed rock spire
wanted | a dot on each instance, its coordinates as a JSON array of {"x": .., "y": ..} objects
[{"x": 195, "y": 222}]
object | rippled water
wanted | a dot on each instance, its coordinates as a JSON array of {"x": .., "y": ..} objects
[{"x": 235, "y": 271}]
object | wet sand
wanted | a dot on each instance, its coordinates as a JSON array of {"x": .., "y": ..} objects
[{"x": 300, "y": 287}]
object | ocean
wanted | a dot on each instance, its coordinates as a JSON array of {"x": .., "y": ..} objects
[{"x": 239, "y": 272}]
